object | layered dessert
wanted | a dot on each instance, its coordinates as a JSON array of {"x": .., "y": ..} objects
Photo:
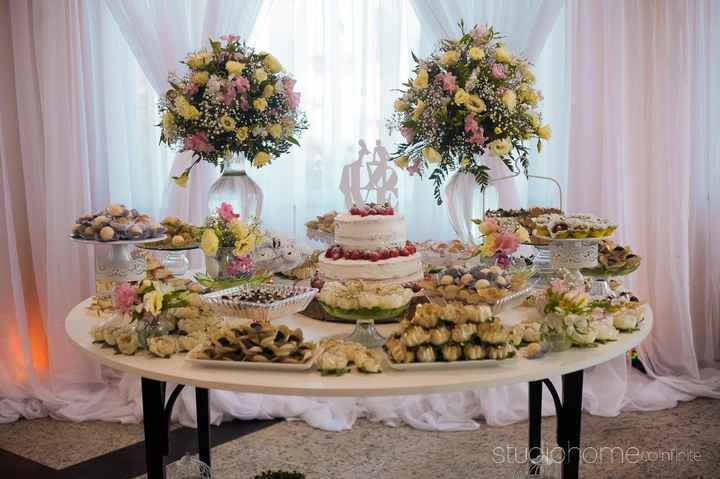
[{"x": 371, "y": 245}]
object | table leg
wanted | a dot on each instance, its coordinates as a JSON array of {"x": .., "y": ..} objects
[
  {"x": 569, "y": 423},
  {"x": 202, "y": 405},
  {"x": 153, "y": 401},
  {"x": 535, "y": 424}
]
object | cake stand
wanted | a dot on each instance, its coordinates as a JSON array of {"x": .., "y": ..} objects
[
  {"x": 573, "y": 255},
  {"x": 600, "y": 284},
  {"x": 114, "y": 262}
]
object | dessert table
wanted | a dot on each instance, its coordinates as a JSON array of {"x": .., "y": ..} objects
[{"x": 156, "y": 372}]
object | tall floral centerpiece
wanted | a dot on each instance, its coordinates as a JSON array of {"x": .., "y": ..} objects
[
  {"x": 471, "y": 97},
  {"x": 227, "y": 243},
  {"x": 233, "y": 107}
]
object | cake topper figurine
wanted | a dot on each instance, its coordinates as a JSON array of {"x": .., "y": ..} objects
[{"x": 376, "y": 183}]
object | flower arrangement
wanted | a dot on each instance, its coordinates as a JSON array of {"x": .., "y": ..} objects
[
  {"x": 498, "y": 243},
  {"x": 230, "y": 240},
  {"x": 471, "y": 96},
  {"x": 232, "y": 100},
  {"x": 572, "y": 318},
  {"x": 160, "y": 317}
]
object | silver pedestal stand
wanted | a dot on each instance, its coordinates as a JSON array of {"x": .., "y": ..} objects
[{"x": 114, "y": 262}]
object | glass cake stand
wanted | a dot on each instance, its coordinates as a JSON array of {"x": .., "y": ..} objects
[
  {"x": 573, "y": 255},
  {"x": 175, "y": 259}
]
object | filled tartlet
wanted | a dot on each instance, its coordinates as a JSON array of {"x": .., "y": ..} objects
[{"x": 579, "y": 226}]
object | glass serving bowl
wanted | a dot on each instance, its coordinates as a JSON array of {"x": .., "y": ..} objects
[
  {"x": 298, "y": 300},
  {"x": 376, "y": 314}
]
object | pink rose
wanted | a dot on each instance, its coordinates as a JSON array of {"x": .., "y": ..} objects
[
  {"x": 407, "y": 133},
  {"x": 191, "y": 89},
  {"x": 197, "y": 142},
  {"x": 241, "y": 84},
  {"x": 244, "y": 105},
  {"x": 124, "y": 297},
  {"x": 489, "y": 226},
  {"x": 471, "y": 124},
  {"x": 503, "y": 261},
  {"x": 239, "y": 266},
  {"x": 478, "y": 138},
  {"x": 507, "y": 243},
  {"x": 448, "y": 81},
  {"x": 225, "y": 211},
  {"x": 292, "y": 95},
  {"x": 498, "y": 71},
  {"x": 557, "y": 285},
  {"x": 229, "y": 95},
  {"x": 230, "y": 38}
]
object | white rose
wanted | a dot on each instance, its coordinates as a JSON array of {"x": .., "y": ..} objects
[
  {"x": 162, "y": 346},
  {"x": 625, "y": 321},
  {"x": 127, "y": 340},
  {"x": 330, "y": 362},
  {"x": 190, "y": 325},
  {"x": 190, "y": 341}
]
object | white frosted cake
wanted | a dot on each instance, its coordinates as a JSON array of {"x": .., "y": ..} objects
[{"x": 371, "y": 245}]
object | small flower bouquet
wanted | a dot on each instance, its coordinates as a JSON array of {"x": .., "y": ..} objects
[
  {"x": 498, "y": 243},
  {"x": 232, "y": 100},
  {"x": 572, "y": 319},
  {"x": 227, "y": 243},
  {"x": 159, "y": 317},
  {"x": 471, "y": 96}
]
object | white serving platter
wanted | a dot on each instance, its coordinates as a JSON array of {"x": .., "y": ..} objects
[
  {"x": 443, "y": 365},
  {"x": 215, "y": 363}
]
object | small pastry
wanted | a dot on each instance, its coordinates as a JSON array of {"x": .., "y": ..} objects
[{"x": 107, "y": 234}]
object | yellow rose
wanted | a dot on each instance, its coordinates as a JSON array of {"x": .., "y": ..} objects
[
  {"x": 534, "y": 119},
  {"x": 260, "y": 75},
  {"x": 209, "y": 242},
  {"x": 502, "y": 55},
  {"x": 400, "y": 105},
  {"x": 419, "y": 109},
  {"x": 460, "y": 96},
  {"x": 275, "y": 130},
  {"x": 246, "y": 245},
  {"x": 402, "y": 162},
  {"x": 234, "y": 68},
  {"x": 509, "y": 98},
  {"x": 227, "y": 123},
  {"x": 531, "y": 96},
  {"x": 476, "y": 53},
  {"x": 198, "y": 60},
  {"x": 522, "y": 234},
  {"x": 545, "y": 132},
  {"x": 488, "y": 247},
  {"x": 238, "y": 228},
  {"x": 499, "y": 147},
  {"x": 475, "y": 104},
  {"x": 200, "y": 78},
  {"x": 152, "y": 302},
  {"x": 431, "y": 155},
  {"x": 272, "y": 64},
  {"x": 168, "y": 124},
  {"x": 242, "y": 134},
  {"x": 450, "y": 58},
  {"x": 260, "y": 104},
  {"x": 465, "y": 163},
  {"x": 421, "y": 81},
  {"x": 182, "y": 180},
  {"x": 185, "y": 109},
  {"x": 526, "y": 73},
  {"x": 261, "y": 159},
  {"x": 268, "y": 91}
]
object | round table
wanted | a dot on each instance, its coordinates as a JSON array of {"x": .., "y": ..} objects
[{"x": 155, "y": 372}]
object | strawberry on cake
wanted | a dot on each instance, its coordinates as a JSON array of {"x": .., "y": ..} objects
[{"x": 371, "y": 245}]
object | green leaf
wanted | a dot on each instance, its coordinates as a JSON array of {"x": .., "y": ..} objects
[{"x": 293, "y": 140}]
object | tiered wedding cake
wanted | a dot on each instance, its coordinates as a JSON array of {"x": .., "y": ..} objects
[{"x": 371, "y": 245}]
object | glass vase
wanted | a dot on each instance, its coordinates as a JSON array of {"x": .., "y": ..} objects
[
  {"x": 216, "y": 266},
  {"x": 236, "y": 188}
]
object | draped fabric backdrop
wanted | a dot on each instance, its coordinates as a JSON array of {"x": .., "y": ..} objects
[{"x": 631, "y": 92}]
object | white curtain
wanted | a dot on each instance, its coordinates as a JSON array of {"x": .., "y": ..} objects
[
  {"x": 526, "y": 26},
  {"x": 643, "y": 149}
]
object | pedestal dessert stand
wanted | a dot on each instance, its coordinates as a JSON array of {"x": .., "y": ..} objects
[
  {"x": 573, "y": 254},
  {"x": 114, "y": 261}
]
